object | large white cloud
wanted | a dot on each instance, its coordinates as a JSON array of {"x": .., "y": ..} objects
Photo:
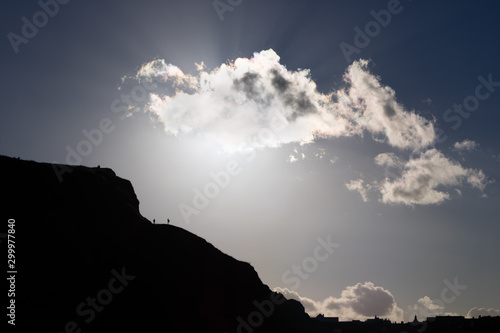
[
  {"x": 257, "y": 102},
  {"x": 361, "y": 301}
]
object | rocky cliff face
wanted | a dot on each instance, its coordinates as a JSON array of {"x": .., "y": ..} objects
[{"x": 87, "y": 261}]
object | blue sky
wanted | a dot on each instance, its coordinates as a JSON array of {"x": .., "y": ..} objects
[{"x": 388, "y": 144}]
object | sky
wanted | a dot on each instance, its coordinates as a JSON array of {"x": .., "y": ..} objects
[{"x": 347, "y": 149}]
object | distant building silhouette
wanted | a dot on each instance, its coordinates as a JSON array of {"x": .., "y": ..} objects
[
  {"x": 438, "y": 324},
  {"x": 322, "y": 318}
]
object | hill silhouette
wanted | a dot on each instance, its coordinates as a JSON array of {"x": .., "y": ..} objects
[{"x": 88, "y": 261}]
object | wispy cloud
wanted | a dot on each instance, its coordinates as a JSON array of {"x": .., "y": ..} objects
[
  {"x": 427, "y": 101},
  {"x": 377, "y": 110},
  {"x": 466, "y": 145},
  {"x": 359, "y": 186}
]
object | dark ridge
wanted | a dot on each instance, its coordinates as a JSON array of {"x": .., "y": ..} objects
[{"x": 75, "y": 236}]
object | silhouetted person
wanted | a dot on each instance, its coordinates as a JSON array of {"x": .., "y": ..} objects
[
  {"x": 168, "y": 221},
  {"x": 154, "y": 221}
]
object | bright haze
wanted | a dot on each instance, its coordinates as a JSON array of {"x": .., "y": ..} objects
[{"x": 347, "y": 150}]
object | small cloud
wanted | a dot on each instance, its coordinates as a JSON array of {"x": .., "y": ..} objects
[
  {"x": 429, "y": 304},
  {"x": 311, "y": 152},
  {"x": 358, "y": 185},
  {"x": 292, "y": 159},
  {"x": 477, "y": 179},
  {"x": 466, "y": 145},
  {"x": 321, "y": 153},
  {"x": 427, "y": 101},
  {"x": 427, "y": 307},
  {"x": 200, "y": 66},
  {"x": 388, "y": 159}
]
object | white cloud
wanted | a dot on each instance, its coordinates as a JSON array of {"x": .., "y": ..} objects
[
  {"x": 361, "y": 301},
  {"x": 424, "y": 177},
  {"x": 158, "y": 69},
  {"x": 292, "y": 159},
  {"x": 388, "y": 159},
  {"x": 358, "y": 185},
  {"x": 428, "y": 304},
  {"x": 426, "y": 307},
  {"x": 465, "y": 145},
  {"x": 201, "y": 66},
  {"x": 476, "y": 312},
  {"x": 257, "y": 102},
  {"x": 310, "y": 152},
  {"x": 477, "y": 179}
]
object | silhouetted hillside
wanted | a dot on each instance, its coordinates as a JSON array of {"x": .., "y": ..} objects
[{"x": 86, "y": 259}]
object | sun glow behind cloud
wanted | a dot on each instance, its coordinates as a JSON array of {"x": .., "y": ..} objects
[
  {"x": 236, "y": 102},
  {"x": 255, "y": 103}
]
